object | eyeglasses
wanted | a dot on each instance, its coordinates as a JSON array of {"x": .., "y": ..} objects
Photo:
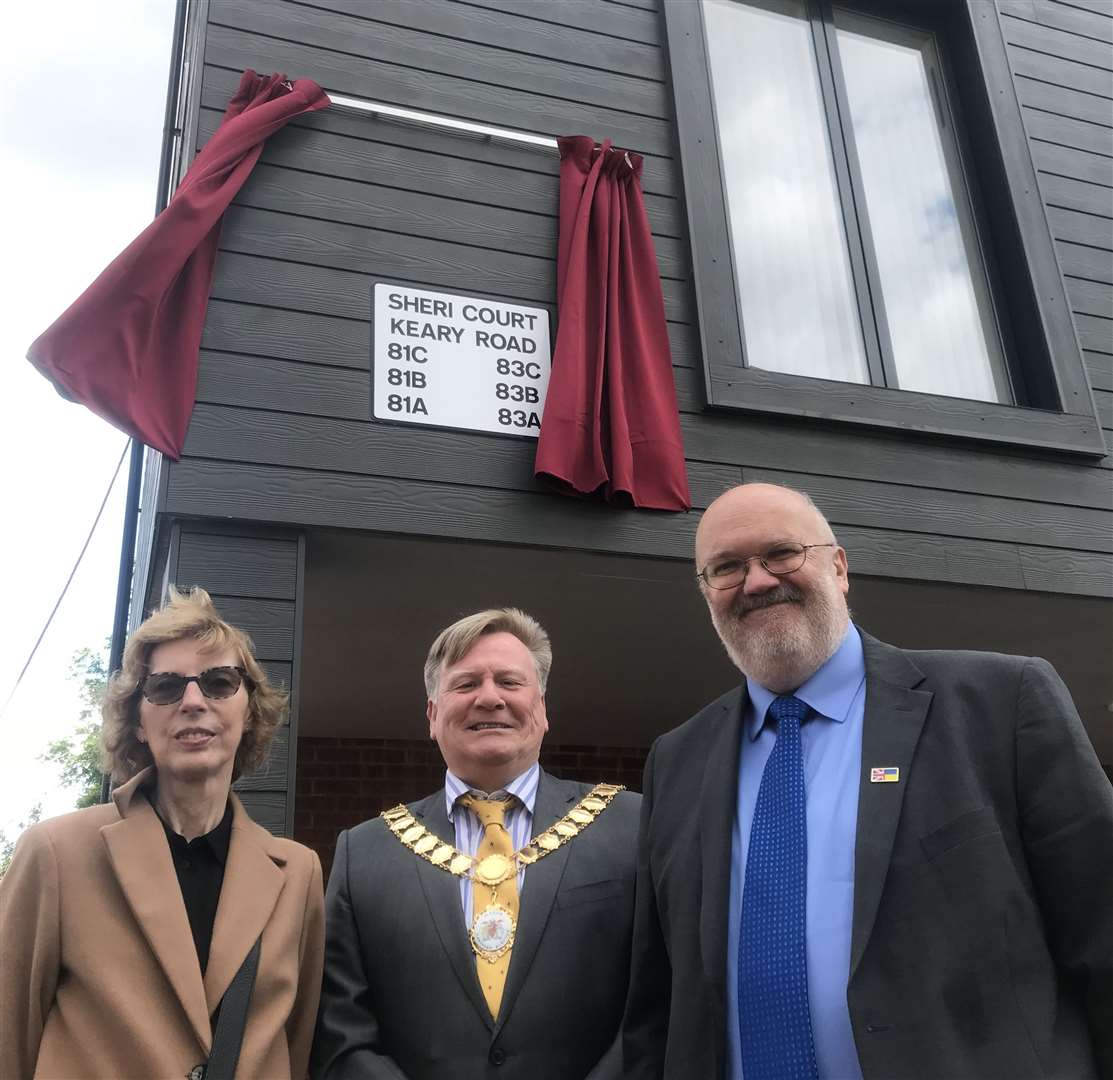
[
  {"x": 167, "y": 687},
  {"x": 781, "y": 559}
]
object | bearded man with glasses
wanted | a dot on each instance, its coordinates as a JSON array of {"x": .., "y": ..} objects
[
  {"x": 864, "y": 861},
  {"x": 166, "y": 934}
]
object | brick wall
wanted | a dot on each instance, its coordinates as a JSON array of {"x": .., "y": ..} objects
[{"x": 341, "y": 782}]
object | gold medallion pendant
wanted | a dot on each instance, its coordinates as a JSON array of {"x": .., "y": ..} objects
[
  {"x": 492, "y": 933},
  {"x": 493, "y": 870}
]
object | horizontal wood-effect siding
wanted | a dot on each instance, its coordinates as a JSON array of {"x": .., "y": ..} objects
[
  {"x": 469, "y": 460},
  {"x": 1062, "y": 60},
  {"x": 282, "y": 431},
  {"x": 151, "y": 545},
  {"x": 268, "y": 808},
  {"x": 427, "y": 37},
  {"x": 253, "y": 578},
  {"x": 244, "y": 568},
  {"x": 218, "y": 84},
  {"x": 482, "y": 99}
]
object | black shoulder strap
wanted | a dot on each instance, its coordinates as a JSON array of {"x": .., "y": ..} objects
[{"x": 233, "y": 1018}]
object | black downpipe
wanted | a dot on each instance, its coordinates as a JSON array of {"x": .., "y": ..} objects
[{"x": 170, "y": 132}]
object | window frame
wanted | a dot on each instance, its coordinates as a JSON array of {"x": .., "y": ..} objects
[{"x": 1066, "y": 420}]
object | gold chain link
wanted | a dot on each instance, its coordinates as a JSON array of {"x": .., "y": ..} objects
[{"x": 449, "y": 858}]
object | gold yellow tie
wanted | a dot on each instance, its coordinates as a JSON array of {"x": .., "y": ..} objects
[{"x": 494, "y": 918}]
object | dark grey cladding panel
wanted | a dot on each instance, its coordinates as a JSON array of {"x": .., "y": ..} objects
[
  {"x": 1076, "y": 228},
  {"x": 769, "y": 444},
  {"x": 288, "y": 334},
  {"x": 401, "y": 450},
  {"x": 1067, "y": 131},
  {"x": 257, "y": 382},
  {"x": 409, "y": 507},
  {"x": 1083, "y": 261},
  {"x": 1063, "y": 101},
  {"x": 387, "y": 504},
  {"x": 425, "y": 41},
  {"x": 381, "y": 254},
  {"x": 429, "y": 91},
  {"x": 1078, "y": 572},
  {"x": 1068, "y": 162},
  {"x": 1103, "y": 399},
  {"x": 231, "y": 565},
  {"x": 266, "y": 808},
  {"x": 1021, "y": 29},
  {"x": 1084, "y": 196},
  {"x": 365, "y": 132},
  {"x": 975, "y": 517},
  {"x": 1064, "y": 17},
  {"x": 1094, "y": 333},
  {"x": 278, "y": 672},
  {"x": 312, "y": 390},
  {"x": 1100, "y": 368},
  {"x": 269, "y": 623},
  {"x": 366, "y": 135},
  {"x": 273, "y": 775},
  {"x": 337, "y": 306},
  {"x": 1031, "y": 64},
  {"x": 632, "y": 22},
  {"x": 415, "y": 213},
  {"x": 518, "y": 30},
  {"x": 297, "y": 389}
]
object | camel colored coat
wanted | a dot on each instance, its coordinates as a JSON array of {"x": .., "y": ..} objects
[{"x": 98, "y": 972}]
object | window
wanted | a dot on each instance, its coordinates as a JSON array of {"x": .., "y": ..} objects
[{"x": 857, "y": 247}]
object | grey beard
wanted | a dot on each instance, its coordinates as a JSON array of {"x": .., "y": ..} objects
[{"x": 783, "y": 658}]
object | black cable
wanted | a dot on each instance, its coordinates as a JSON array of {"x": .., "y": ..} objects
[{"x": 69, "y": 580}]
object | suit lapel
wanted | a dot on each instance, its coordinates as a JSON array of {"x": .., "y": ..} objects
[
  {"x": 554, "y": 799},
  {"x": 252, "y": 883},
  {"x": 442, "y": 894},
  {"x": 140, "y": 858},
  {"x": 894, "y": 718},
  {"x": 718, "y": 804}
]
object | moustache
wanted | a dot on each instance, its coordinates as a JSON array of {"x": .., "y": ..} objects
[{"x": 785, "y": 593}]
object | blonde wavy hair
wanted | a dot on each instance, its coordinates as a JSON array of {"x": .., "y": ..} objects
[
  {"x": 453, "y": 642},
  {"x": 189, "y": 615}
]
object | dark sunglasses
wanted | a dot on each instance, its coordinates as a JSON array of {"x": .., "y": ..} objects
[{"x": 167, "y": 687}]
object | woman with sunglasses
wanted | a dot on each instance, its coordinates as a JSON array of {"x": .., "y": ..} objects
[{"x": 128, "y": 931}]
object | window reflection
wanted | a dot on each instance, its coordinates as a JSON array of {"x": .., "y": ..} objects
[
  {"x": 791, "y": 263},
  {"x": 937, "y": 303}
]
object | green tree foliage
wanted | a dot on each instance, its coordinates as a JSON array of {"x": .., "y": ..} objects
[
  {"x": 7, "y": 846},
  {"x": 78, "y": 754}
]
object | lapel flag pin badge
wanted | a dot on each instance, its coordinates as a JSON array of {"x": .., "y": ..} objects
[{"x": 889, "y": 774}]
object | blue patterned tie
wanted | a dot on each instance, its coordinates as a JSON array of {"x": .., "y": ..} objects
[{"x": 774, "y": 1022}]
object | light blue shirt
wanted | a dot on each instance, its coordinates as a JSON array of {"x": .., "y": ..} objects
[
  {"x": 832, "y": 747},
  {"x": 518, "y": 820}
]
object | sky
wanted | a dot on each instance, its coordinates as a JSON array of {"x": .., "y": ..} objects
[{"x": 80, "y": 143}]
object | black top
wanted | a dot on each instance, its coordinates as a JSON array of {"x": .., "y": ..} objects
[{"x": 199, "y": 864}]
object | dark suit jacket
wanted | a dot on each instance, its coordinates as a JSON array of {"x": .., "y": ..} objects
[
  {"x": 982, "y": 942},
  {"x": 401, "y": 997}
]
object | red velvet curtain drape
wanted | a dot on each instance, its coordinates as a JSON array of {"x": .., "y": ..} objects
[
  {"x": 610, "y": 423},
  {"x": 127, "y": 347}
]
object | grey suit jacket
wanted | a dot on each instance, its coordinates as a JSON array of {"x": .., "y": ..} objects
[
  {"x": 982, "y": 940},
  {"x": 401, "y": 997}
]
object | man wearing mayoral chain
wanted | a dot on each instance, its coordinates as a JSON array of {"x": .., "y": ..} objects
[
  {"x": 865, "y": 862},
  {"x": 483, "y": 931}
]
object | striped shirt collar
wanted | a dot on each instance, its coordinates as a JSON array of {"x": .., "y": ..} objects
[{"x": 523, "y": 788}]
